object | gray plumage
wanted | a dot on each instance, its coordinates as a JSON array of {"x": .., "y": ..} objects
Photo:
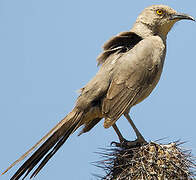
[{"x": 131, "y": 66}]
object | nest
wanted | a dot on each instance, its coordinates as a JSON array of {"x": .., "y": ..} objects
[{"x": 151, "y": 161}]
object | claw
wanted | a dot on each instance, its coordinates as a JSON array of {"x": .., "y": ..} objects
[
  {"x": 119, "y": 144},
  {"x": 113, "y": 143},
  {"x": 129, "y": 144},
  {"x": 136, "y": 143}
]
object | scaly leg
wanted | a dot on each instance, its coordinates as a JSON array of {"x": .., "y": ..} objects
[
  {"x": 121, "y": 138},
  {"x": 123, "y": 141},
  {"x": 140, "y": 138}
]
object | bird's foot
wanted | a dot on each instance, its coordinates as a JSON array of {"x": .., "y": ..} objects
[{"x": 129, "y": 144}]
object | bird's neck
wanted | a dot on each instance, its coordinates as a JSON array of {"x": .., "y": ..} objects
[{"x": 145, "y": 30}]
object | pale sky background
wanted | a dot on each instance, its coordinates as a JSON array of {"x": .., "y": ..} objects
[{"x": 48, "y": 51}]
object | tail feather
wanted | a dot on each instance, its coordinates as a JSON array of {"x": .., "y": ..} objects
[
  {"x": 36, "y": 145},
  {"x": 49, "y": 155},
  {"x": 56, "y": 139}
]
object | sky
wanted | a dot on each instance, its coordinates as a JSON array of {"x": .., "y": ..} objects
[{"x": 48, "y": 51}]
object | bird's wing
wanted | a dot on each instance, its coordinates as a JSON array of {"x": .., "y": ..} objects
[
  {"x": 120, "y": 43},
  {"x": 136, "y": 73}
]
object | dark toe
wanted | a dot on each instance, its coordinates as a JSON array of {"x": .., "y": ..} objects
[{"x": 127, "y": 144}]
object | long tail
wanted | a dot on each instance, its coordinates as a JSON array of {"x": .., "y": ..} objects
[{"x": 55, "y": 139}]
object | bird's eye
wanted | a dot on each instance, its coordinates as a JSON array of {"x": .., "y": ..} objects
[{"x": 159, "y": 12}]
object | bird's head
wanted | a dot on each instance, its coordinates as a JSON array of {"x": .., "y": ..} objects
[{"x": 160, "y": 18}]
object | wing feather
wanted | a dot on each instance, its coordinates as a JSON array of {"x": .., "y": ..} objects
[
  {"x": 120, "y": 43},
  {"x": 128, "y": 87}
]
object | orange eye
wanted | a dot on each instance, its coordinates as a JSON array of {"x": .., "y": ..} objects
[{"x": 159, "y": 12}]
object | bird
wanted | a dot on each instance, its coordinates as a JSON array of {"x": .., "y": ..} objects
[{"x": 131, "y": 64}]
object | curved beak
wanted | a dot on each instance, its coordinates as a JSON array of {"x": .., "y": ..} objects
[{"x": 181, "y": 16}]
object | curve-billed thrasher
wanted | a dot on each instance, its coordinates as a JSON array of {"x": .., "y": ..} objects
[{"x": 131, "y": 66}]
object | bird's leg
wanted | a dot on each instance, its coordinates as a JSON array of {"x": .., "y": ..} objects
[
  {"x": 121, "y": 138},
  {"x": 140, "y": 138},
  {"x": 123, "y": 141}
]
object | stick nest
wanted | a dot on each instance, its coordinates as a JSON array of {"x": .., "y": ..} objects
[{"x": 151, "y": 161}]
